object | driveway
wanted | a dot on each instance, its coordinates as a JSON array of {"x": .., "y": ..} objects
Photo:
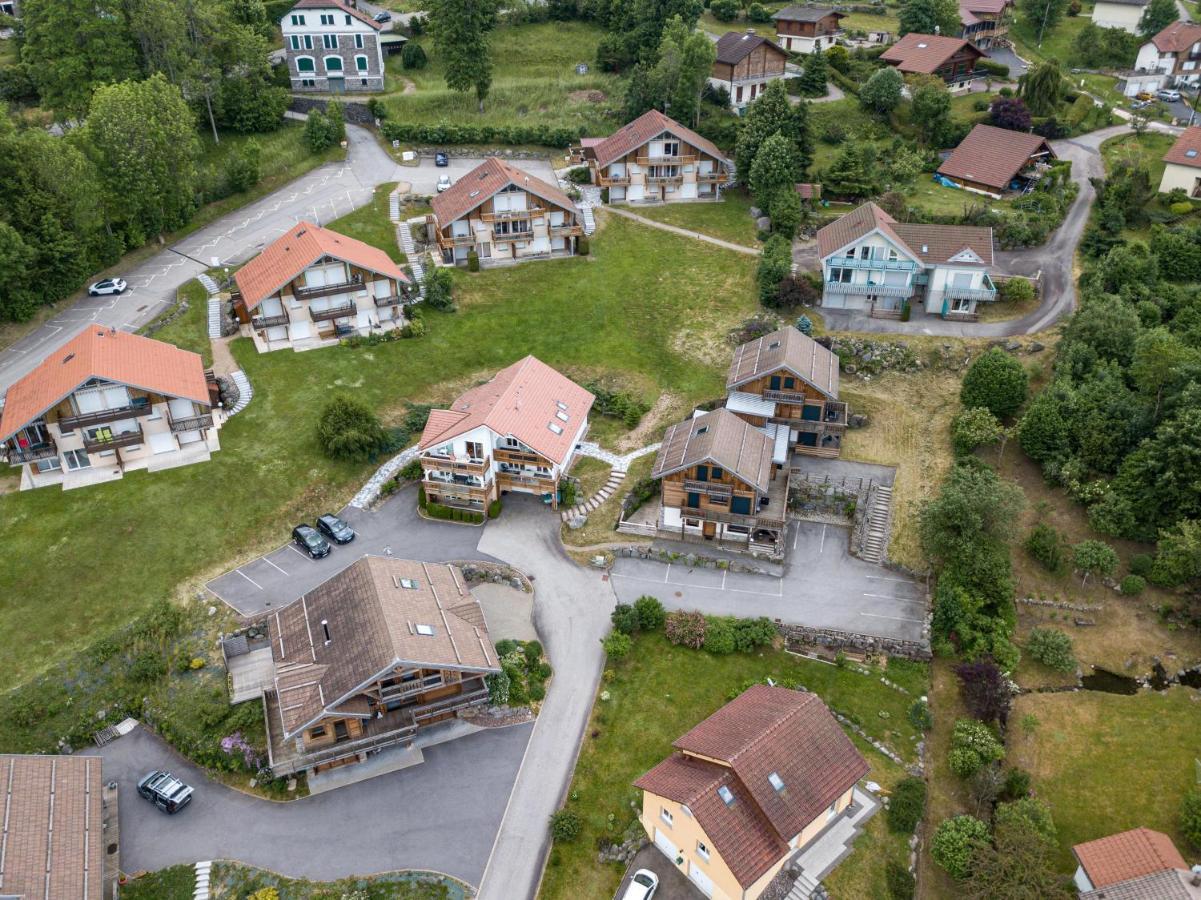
[
  {"x": 673, "y": 884},
  {"x": 441, "y": 815},
  {"x": 823, "y": 586},
  {"x": 394, "y": 528}
]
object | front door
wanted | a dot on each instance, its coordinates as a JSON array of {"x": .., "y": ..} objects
[{"x": 710, "y": 530}]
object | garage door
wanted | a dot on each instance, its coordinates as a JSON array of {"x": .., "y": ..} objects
[
  {"x": 700, "y": 879},
  {"x": 663, "y": 842}
]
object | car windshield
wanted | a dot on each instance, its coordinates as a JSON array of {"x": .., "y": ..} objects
[
  {"x": 310, "y": 537},
  {"x": 644, "y": 880},
  {"x": 104, "y": 284},
  {"x": 335, "y": 523}
]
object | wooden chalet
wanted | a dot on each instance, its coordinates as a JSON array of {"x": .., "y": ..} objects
[
  {"x": 746, "y": 63},
  {"x": 951, "y": 59},
  {"x": 804, "y": 29}
]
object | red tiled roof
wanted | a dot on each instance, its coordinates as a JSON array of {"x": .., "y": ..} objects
[
  {"x": 925, "y": 53},
  {"x": 735, "y": 46},
  {"x": 1177, "y": 37},
  {"x": 764, "y": 731},
  {"x": 930, "y": 244},
  {"x": 1126, "y": 855},
  {"x": 485, "y": 180},
  {"x": 521, "y": 400},
  {"x": 303, "y": 245},
  {"x": 116, "y": 356},
  {"x": 650, "y": 125},
  {"x": 1187, "y": 149},
  {"x": 339, "y": 5},
  {"x": 993, "y": 156}
]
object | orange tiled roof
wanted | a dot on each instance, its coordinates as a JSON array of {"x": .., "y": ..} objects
[
  {"x": 485, "y": 180},
  {"x": 925, "y": 53},
  {"x": 1187, "y": 149},
  {"x": 993, "y": 156},
  {"x": 647, "y": 126},
  {"x": 99, "y": 352},
  {"x": 1126, "y": 855},
  {"x": 303, "y": 245}
]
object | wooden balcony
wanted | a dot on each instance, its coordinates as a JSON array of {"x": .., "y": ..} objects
[
  {"x": 18, "y": 456},
  {"x": 466, "y": 466},
  {"x": 712, "y": 176},
  {"x": 124, "y": 439},
  {"x": 664, "y": 179},
  {"x": 393, "y": 300},
  {"x": 498, "y": 237},
  {"x": 519, "y": 457},
  {"x": 506, "y": 215},
  {"x": 341, "y": 311},
  {"x": 459, "y": 240},
  {"x": 326, "y": 290},
  {"x": 644, "y": 160},
  {"x": 565, "y": 230},
  {"x": 68, "y": 424},
  {"x": 709, "y": 489},
  {"x": 191, "y": 423},
  {"x": 785, "y": 396},
  {"x": 612, "y": 180},
  {"x": 260, "y": 322},
  {"x": 452, "y": 487},
  {"x": 512, "y": 481}
]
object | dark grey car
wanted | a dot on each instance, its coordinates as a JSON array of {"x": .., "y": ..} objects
[
  {"x": 165, "y": 791},
  {"x": 335, "y": 529}
]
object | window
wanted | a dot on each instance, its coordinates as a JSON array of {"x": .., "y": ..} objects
[
  {"x": 702, "y": 473},
  {"x": 410, "y": 584},
  {"x": 297, "y": 20},
  {"x": 555, "y": 427},
  {"x": 665, "y": 815},
  {"x": 741, "y": 506},
  {"x": 475, "y": 450},
  {"x": 726, "y": 795},
  {"x": 425, "y": 630},
  {"x": 333, "y": 64},
  {"x": 694, "y": 500},
  {"x": 358, "y": 39},
  {"x": 789, "y": 383},
  {"x": 76, "y": 459},
  {"x": 865, "y": 252},
  {"x": 716, "y": 473},
  {"x": 363, "y": 82},
  {"x": 850, "y": 254},
  {"x": 329, "y": 41},
  {"x": 317, "y": 731},
  {"x": 327, "y": 18},
  {"x": 348, "y": 18},
  {"x": 832, "y": 811},
  {"x": 308, "y": 82},
  {"x": 305, "y": 64},
  {"x": 360, "y": 63},
  {"x": 776, "y": 781},
  {"x": 294, "y": 40},
  {"x": 773, "y": 383},
  {"x": 702, "y": 851},
  {"x": 308, "y": 42},
  {"x": 841, "y": 276},
  {"x": 341, "y": 732}
]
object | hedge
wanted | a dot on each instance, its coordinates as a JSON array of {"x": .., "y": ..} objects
[
  {"x": 997, "y": 69},
  {"x": 438, "y": 511},
  {"x": 446, "y": 133},
  {"x": 848, "y": 84}
]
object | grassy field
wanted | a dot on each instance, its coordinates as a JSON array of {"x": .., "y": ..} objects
[
  {"x": 729, "y": 220},
  {"x": 371, "y": 225},
  {"x": 1145, "y": 151},
  {"x": 575, "y": 314},
  {"x": 848, "y": 114},
  {"x": 533, "y": 81},
  {"x": 660, "y": 691},
  {"x": 593, "y": 473},
  {"x": 190, "y": 330},
  {"x": 944, "y": 201},
  {"x": 1057, "y": 41}
]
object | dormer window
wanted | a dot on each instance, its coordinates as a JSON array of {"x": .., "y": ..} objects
[
  {"x": 774, "y": 345},
  {"x": 325, "y": 631}
]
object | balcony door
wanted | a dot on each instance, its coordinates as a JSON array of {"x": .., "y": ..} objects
[
  {"x": 184, "y": 409},
  {"x": 101, "y": 398}
]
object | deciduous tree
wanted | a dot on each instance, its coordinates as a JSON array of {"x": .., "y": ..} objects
[
  {"x": 929, "y": 17},
  {"x": 1157, "y": 15},
  {"x": 1042, "y": 87},
  {"x": 882, "y": 92}
]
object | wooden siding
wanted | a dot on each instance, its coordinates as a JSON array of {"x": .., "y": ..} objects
[
  {"x": 828, "y": 25},
  {"x": 764, "y": 383},
  {"x": 486, "y": 212},
  {"x": 762, "y": 62}
]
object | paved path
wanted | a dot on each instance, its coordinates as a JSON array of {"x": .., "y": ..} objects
[
  {"x": 571, "y": 613},
  {"x": 684, "y": 232}
]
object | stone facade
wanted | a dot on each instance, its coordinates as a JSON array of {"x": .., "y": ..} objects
[
  {"x": 829, "y": 638},
  {"x": 332, "y": 50}
]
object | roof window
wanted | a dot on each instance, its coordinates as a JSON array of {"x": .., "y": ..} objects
[
  {"x": 774, "y": 345},
  {"x": 561, "y": 416},
  {"x": 325, "y": 630},
  {"x": 727, "y": 796},
  {"x": 923, "y": 45},
  {"x": 1190, "y": 153},
  {"x": 561, "y": 405},
  {"x": 474, "y": 194},
  {"x": 777, "y": 782},
  {"x": 555, "y": 427},
  {"x": 427, "y": 630},
  {"x": 702, "y": 429},
  {"x": 409, "y": 584}
]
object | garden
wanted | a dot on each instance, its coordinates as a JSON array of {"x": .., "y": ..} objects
[{"x": 234, "y": 881}]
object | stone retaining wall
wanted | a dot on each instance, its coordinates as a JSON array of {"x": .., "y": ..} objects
[
  {"x": 354, "y": 112},
  {"x": 694, "y": 560},
  {"x": 806, "y": 636},
  {"x": 475, "y": 571}
]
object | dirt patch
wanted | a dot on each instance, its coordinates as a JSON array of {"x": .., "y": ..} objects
[
  {"x": 650, "y": 429},
  {"x": 587, "y": 97},
  {"x": 409, "y": 88}
]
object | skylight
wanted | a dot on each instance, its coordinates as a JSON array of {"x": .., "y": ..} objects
[
  {"x": 773, "y": 345},
  {"x": 1190, "y": 153},
  {"x": 777, "y": 782},
  {"x": 410, "y": 584},
  {"x": 702, "y": 429},
  {"x": 561, "y": 405},
  {"x": 555, "y": 427},
  {"x": 923, "y": 46},
  {"x": 727, "y": 796},
  {"x": 427, "y": 630},
  {"x": 561, "y": 416}
]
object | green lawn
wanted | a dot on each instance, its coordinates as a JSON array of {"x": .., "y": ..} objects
[
  {"x": 234, "y": 881},
  {"x": 858, "y": 124},
  {"x": 1106, "y": 762},
  {"x": 940, "y": 200},
  {"x": 371, "y": 225},
  {"x": 1057, "y": 42},
  {"x": 190, "y": 330},
  {"x": 858, "y": 21},
  {"x": 619, "y": 311},
  {"x": 1146, "y": 150},
  {"x": 533, "y": 82},
  {"x": 729, "y": 220},
  {"x": 660, "y": 691}
]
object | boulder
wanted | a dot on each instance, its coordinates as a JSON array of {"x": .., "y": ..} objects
[
  {"x": 763, "y": 223},
  {"x": 1035, "y": 347},
  {"x": 850, "y": 368},
  {"x": 756, "y": 212},
  {"x": 1012, "y": 345}
]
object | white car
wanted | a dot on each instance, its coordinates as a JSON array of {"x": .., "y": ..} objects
[
  {"x": 1169, "y": 95},
  {"x": 443, "y": 183},
  {"x": 108, "y": 286},
  {"x": 642, "y": 886}
]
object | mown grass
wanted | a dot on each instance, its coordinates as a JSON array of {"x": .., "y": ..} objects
[
  {"x": 660, "y": 691},
  {"x": 234, "y": 881},
  {"x": 1057, "y": 41},
  {"x": 371, "y": 225},
  {"x": 190, "y": 330},
  {"x": 81, "y": 562},
  {"x": 729, "y": 220}
]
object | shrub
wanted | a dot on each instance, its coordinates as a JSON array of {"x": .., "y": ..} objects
[
  {"x": 1017, "y": 290},
  {"x": 505, "y": 647},
  {"x": 796, "y": 290},
  {"x": 410, "y": 471},
  {"x": 906, "y": 806},
  {"x": 995, "y": 381},
  {"x": 651, "y": 614},
  {"x": 1026, "y": 814},
  {"x": 901, "y": 884},
  {"x": 473, "y": 261},
  {"x": 565, "y": 826},
  {"x": 919, "y": 715},
  {"x": 972, "y": 428},
  {"x": 752, "y": 633},
  {"x": 974, "y": 745},
  {"x": 617, "y": 645},
  {"x": 1053, "y": 648},
  {"x": 1142, "y": 564},
  {"x": 1015, "y": 785},
  {"x": 581, "y": 246},
  {"x": 1181, "y": 208},
  {"x": 1095, "y": 558},
  {"x": 1044, "y": 544},
  {"x": 439, "y": 289},
  {"x": 264, "y": 893},
  {"x": 148, "y": 665},
  {"x": 413, "y": 56},
  {"x": 1133, "y": 585},
  {"x": 348, "y": 429},
  {"x": 625, "y": 618},
  {"x": 686, "y": 628},
  {"x": 758, "y": 13},
  {"x": 498, "y": 687},
  {"x": 244, "y": 169},
  {"x": 775, "y": 264},
  {"x": 724, "y": 10},
  {"x": 985, "y": 691},
  {"x": 494, "y": 508},
  {"x": 719, "y": 635},
  {"x": 1190, "y": 817},
  {"x": 954, "y": 841},
  {"x": 533, "y": 653}
]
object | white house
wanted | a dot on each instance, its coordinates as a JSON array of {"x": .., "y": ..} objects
[
  {"x": 1123, "y": 14},
  {"x": 872, "y": 262},
  {"x": 331, "y": 47},
  {"x": 1171, "y": 58},
  {"x": 1182, "y": 164}
]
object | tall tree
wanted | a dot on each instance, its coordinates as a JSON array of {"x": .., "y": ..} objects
[
  {"x": 932, "y": 111},
  {"x": 930, "y": 17},
  {"x": 813, "y": 79},
  {"x": 882, "y": 92},
  {"x": 461, "y": 29},
  {"x": 774, "y": 169},
  {"x": 1157, "y": 16},
  {"x": 1042, "y": 88},
  {"x": 1042, "y": 14},
  {"x": 686, "y": 57},
  {"x": 769, "y": 114}
]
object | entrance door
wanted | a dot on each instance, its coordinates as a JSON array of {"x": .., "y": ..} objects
[{"x": 710, "y": 530}]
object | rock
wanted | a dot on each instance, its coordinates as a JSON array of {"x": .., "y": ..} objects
[
  {"x": 850, "y": 368},
  {"x": 756, "y": 212},
  {"x": 857, "y": 420},
  {"x": 1035, "y": 347},
  {"x": 517, "y": 583},
  {"x": 1012, "y": 345},
  {"x": 254, "y": 782},
  {"x": 763, "y": 223},
  {"x": 576, "y": 522},
  {"x": 212, "y": 610},
  {"x": 291, "y": 785}
]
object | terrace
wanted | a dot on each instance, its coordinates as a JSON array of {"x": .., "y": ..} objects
[
  {"x": 326, "y": 290},
  {"x": 110, "y": 441},
  {"x": 140, "y": 407},
  {"x": 341, "y": 311}
]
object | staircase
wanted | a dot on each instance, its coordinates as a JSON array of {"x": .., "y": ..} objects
[
  {"x": 589, "y": 220},
  {"x": 616, "y": 477},
  {"x": 209, "y": 284},
  {"x": 394, "y": 206},
  {"x": 803, "y": 888},
  {"x": 404, "y": 235},
  {"x": 203, "y": 870},
  {"x": 245, "y": 392},
  {"x": 214, "y": 318},
  {"x": 875, "y": 543}
]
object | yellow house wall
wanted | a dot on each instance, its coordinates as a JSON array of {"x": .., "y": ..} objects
[{"x": 1177, "y": 176}]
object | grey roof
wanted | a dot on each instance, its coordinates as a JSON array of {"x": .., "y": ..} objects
[
  {"x": 735, "y": 46},
  {"x": 718, "y": 437},
  {"x": 1170, "y": 884},
  {"x": 787, "y": 349},
  {"x": 806, "y": 13}
]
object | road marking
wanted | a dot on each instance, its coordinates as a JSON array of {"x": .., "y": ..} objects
[
  {"x": 666, "y": 573},
  {"x": 896, "y": 618},
  {"x": 724, "y": 573},
  {"x": 896, "y": 599},
  {"x": 703, "y": 587},
  {"x": 297, "y": 552},
  {"x": 796, "y": 533},
  {"x": 822, "y": 548},
  {"x": 271, "y": 564},
  {"x": 883, "y": 578},
  {"x": 248, "y": 578}
]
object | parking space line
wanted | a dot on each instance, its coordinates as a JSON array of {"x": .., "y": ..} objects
[
  {"x": 724, "y": 573},
  {"x": 885, "y": 578},
  {"x": 796, "y": 533},
  {"x": 666, "y": 573},
  {"x": 271, "y": 564},
  {"x": 896, "y": 618},
  {"x": 822, "y": 548},
  {"x": 248, "y": 578},
  {"x": 897, "y": 599},
  {"x": 297, "y": 552},
  {"x": 706, "y": 587}
]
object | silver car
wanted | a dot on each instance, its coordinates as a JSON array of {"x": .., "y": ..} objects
[
  {"x": 1168, "y": 95},
  {"x": 443, "y": 183}
]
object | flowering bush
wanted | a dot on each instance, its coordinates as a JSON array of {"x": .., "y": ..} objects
[
  {"x": 235, "y": 743},
  {"x": 687, "y": 628}
]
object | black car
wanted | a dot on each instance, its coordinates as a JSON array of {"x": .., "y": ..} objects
[
  {"x": 441, "y": 159},
  {"x": 165, "y": 791},
  {"x": 309, "y": 540},
  {"x": 383, "y": 16},
  {"x": 335, "y": 529}
]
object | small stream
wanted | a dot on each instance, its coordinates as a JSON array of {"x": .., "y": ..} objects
[{"x": 1159, "y": 680}]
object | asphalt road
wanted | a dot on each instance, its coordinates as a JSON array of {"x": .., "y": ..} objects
[
  {"x": 441, "y": 815},
  {"x": 823, "y": 586}
]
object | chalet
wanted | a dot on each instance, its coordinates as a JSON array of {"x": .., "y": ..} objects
[
  {"x": 951, "y": 59},
  {"x": 503, "y": 214},
  {"x": 60, "y": 829},
  {"x": 1132, "y": 865},
  {"x": 870, "y": 261},
  {"x": 1182, "y": 164},
  {"x": 332, "y": 47},
  {"x": 750, "y": 789},
  {"x": 314, "y": 286},
  {"x": 985, "y": 23},
  {"x": 787, "y": 384},
  {"x": 804, "y": 29},
  {"x": 994, "y": 161},
  {"x": 369, "y": 659},
  {"x": 744, "y": 66},
  {"x": 518, "y": 432},
  {"x": 1123, "y": 14},
  {"x": 656, "y": 159},
  {"x": 724, "y": 481},
  {"x": 1170, "y": 59},
  {"x": 106, "y": 403}
]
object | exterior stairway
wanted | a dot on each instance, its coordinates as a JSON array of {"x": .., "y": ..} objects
[
  {"x": 875, "y": 546},
  {"x": 616, "y": 477},
  {"x": 245, "y": 392},
  {"x": 404, "y": 234},
  {"x": 804, "y": 888},
  {"x": 394, "y": 206},
  {"x": 589, "y": 220}
]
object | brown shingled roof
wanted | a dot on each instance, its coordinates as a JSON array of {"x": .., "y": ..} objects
[
  {"x": 1177, "y": 37},
  {"x": 1187, "y": 149},
  {"x": 1127, "y": 855},
  {"x": 787, "y": 348},
  {"x": 1170, "y": 884},
  {"x": 647, "y": 126},
  {"x": 719, "y": 437},
  {"x": 929, "y": 244},
  {"x": 993, "y": 156},
  {"x": 338, "y": 5},
  {"x": 806, "y": 14},
  {"x": 99, "y": 352},
  {"x": 735, "y": 46},
  {"x": 486, "y": 179},
  {"x": 925, "y": 53}
]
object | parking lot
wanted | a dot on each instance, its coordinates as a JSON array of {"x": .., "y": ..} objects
[
  {"x": 823, "y": 586},
  {"x": 394, "y": 528},
  {"x": 424, "y": 177}
]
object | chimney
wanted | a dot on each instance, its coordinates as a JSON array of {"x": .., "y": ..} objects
[{"x": 749, "y": 33}]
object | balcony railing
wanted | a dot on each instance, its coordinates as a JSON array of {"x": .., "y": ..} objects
[
  {"x": 712, "y": 176},
  {"x": 766, "y": 517},
  {"x": 341, "y": 311},
  {"x": 456, "y": 240},
  {"x": 20, "y": 455},
  {"x": 527, "y": 481},
  {"x": 501, "y": 237},
  {"x": 613, "y": 180},
  {"x": 506, "y": 214},
  {"x": 565, "y": 230},
  {"x": 260, "y": 322},
  {"x": 325, "y": 290},
  {"x": 846, "y": 262},
  {"x": 953, "y": 315},
  {"x": 664, "y": 179},
  {"x": 68, "y": 424},
  {"x": 450, "y": 464},
  {"x": 393, "y": 300},
  {"x": 506, "y": 454},
  {"x": 784, "y": 396},
  {"x": 986, "y": 293},
  {"x": 647, "y": 160},
  {"x": 191, "y": 423},
  {"x": 708, "y": 488},
  {"x": 878, "y": 290},
  {"x": 112, "y": 442}
]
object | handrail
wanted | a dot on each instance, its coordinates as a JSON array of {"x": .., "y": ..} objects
[{"x": 67, "y": 424}]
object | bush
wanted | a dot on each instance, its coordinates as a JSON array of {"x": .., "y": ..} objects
[
  {"x": 906, "y": 806},
  {"x": 1190, "y": 817},
  {"x": 413, "y": 56},
  {"x": 995, "y": 381},
  {"x": 752, "y": 633},
  {"x": 985, "y": 691},
  {"x": 473, "y": 261},
  {"x": 719, "y": 635},
  {"x": 348, "y": 429},
  {"x": 581, "y": 246},
  {"x": 617, "y": 645},
  {"x": 533, "y": 653},
  {"x": 686, "y": 629},
  {"x": 1142, "y": 564},
  {"x": 1017, "y": 290},
  {"x": 796, "y": 290},
  {"x": 494, "y": 508},
  {"x": 1045, "y": 545},
  {"x": 651, "y": 614},
  {"x": 1052, "y": 648},
  {"x": 775, "y": 264},
  {"x": 901, "y": 884},
  {"x": 972, "y": 428},
  {"x": 622, "y": 405},
  {"x": 1133, "y": 585},
  {"x": 498, "y": 687},
  {"x": 1026, "y": 814},
  {"x": 724, "y": 10},
  {"x": 1016, "y": 784},
  {"x": 625, "y": 618},
  {"x": 469, "y": 133},
  {"x": 758, "y": 13},
  {"x": 974, "y": 745},
  {"x": 919, "y": 715},
  {"x": 1181, "y": 208},
  {"x": 1095, "y": 558},
  {"x": 244, "y": 170},
  {"x": 439, "y": 289},
  {"x": 954, "y": 842},
  {"x": 565, "y": 826},
  {"x": 411, "y": 471}
]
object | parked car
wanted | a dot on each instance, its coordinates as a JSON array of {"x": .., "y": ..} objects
[
  {"x": 1168, "y": 95},
  {"x": 165, "y": 791},
  {"x": 441, "y": 159},
  {"x": 108, "y": 286},
  {"x": 310, "y": 541},
  {"x": 335, "y": 529},
  {"x": 443, "y": 183},
  {"x": 383, "y": 16},
  {"x": 1144, "y": 95},
  {"x": 642, "y": 886}
]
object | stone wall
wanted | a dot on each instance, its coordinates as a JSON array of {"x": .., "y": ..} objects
[
  {"x": 799, "y": 636},
  {"x": 749, "y": 566},
  {"x": 354, "y": 112},
  {"x": 476, "y": 571}
]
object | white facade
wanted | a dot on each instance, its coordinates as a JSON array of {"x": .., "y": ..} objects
[
  {"x": 796, "y": 43},
  {"x": 1125, "y": 16},
  {"x": 661, "y": 171},
  {"x": 330, "y": 49},
  {"x": 1175, "y": 68},
  {"x": 1186, "y": 177},
  {"x": 744, "y": 91},
  {"x": 519, "y": 225}
]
